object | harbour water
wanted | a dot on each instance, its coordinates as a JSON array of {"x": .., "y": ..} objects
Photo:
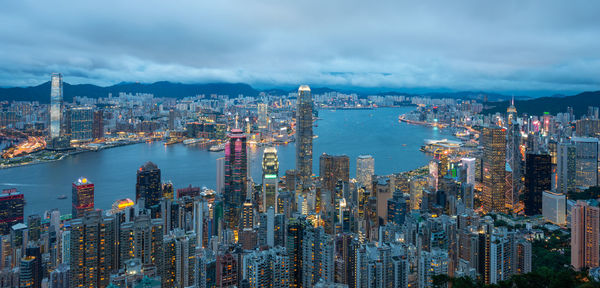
[{"x": 395, "y": 147}]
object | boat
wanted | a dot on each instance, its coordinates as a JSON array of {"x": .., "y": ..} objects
[
  {"x": 191, "y": 141},
  {"x": 62, "y": 197},
  {"x": 217, "y": 148}
]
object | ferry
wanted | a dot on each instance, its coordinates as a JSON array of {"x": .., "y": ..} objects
[
  {"x": 62, "y": 197},
  {"x": 217, "y": 148}
]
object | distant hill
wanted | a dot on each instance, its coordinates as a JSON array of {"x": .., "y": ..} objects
[
  {"x": 553, "y": 105},
  {"x": 41, "y": 92}
]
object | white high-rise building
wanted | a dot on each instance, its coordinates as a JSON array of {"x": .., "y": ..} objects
[
  {"x": 220, "y": 175},
  {"x": 469, "y": 165},
  {"x": 365, "y": 169},
  {"x": 554, "y": 207},
  {"x": 56, "y": 105}
]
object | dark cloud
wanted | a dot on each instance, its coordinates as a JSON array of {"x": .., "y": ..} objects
[{"x": 526, "y": 46}]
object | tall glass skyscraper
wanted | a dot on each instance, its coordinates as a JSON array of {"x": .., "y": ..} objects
[
  {"x": 494, "y": 169},
  {"x": 304, "y": 135},
  {"x": 56, "y": 103},
  {"x": 148, "y": 185},
  {"x": 236, "y": 177}
]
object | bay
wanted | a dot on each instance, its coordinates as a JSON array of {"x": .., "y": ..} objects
[{"x": 395, "y": 147}]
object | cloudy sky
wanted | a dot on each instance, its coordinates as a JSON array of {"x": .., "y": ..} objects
[{"x": 532, "y": 47}]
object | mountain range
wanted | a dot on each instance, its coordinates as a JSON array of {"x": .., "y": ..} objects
[
  {"x": 552, "y": 105},
  {"x": 41, "y": 92}
]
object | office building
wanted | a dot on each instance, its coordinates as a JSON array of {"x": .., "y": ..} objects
[
  {"x": 538, "y": 177},
  {"x": 493, "y": 140},
  {"x": 98, "y": 125},
  {"x": 304, "y": 135},
  {"x": 82, "y": 119},
  {"x": 365, "y": 169},
  {"x": 586, "y": 161},
  {"x": 554, "y": 207},
  {"x": 263, "y": 120},
  {"x": 270, "y": 178},
  {"x": 585, "y": 233},
  {"x": 82, "y": 197},
  {"x": 236, "y": 178},
  {"x": 12, "y": 205},
  {"x": 469, "y": 168},
  {"x": 566, "y": 169},
  {"x": 333, "y": 169},
  {"x": 56, "y": 105},
  {"x": 148, "y": 185}
]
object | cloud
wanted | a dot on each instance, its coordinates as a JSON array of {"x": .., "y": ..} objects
[{"x": 530, "y": 46}]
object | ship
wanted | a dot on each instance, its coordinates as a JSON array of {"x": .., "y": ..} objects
[
  {"x": 191, "y": 141},
  {"x": 62, "y": 197},
  {"x": 217, "y": 148}
]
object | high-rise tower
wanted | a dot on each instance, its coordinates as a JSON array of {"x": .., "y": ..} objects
[
  {"x": 236, "y": 177},
  {"x": 270, "y": 165},
  {"x": 148, "y": 185},
  {"x": 494, "y": 169},
  {"x": 83, "y": 197},
  {"x": 304, "y": 135},
  {"x": 365, "y": 169},
  {"x": 56, "y": 104}
]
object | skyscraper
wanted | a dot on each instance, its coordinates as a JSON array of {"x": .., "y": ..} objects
[
  {"x": 12, "y": 204},
  {"x": 538, "y": 177},
  {"x": 585, "y": 226},
  {"x": 148, "y": 185},
  {"x": 304, "y": 135},
  {"x": 92, "y": 249},
  {"x": 365, "y": 169},
  {"x": 98, "y": 125},
  {"x": 586, "y": 161},
  {"x": 566, "y": 167},
  {"x": 553, "y": 207},
  {"x": 263, "y": 120},
  {"x": 270, "y": 178},
  {"x": 56, "y": 105},
  {"x": 494, "y": 167},
  {"x": 220, "y": 175},
  {"x": 236, "y": 177},
  {"x": 82, "y": 119},
  {"x": 82, "y": 197},
  {"x": 333, "y": 168}
]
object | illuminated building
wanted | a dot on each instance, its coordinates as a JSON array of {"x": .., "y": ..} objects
[
  {"x": 585, "y": 226},
  {"x": 168, "y": 190},
  {"x": 511, "y": 112},
  {"x": 304, "y": 135},
  {"x": 121, "y": 205},
  {"x": 267, "y": 268},
  {"x": 432, "y": 263},
  {"x": 469, "y": 165},
  {"x": 538, "y": 177},
  {"x": 317, "y": 257},
  {"x": 263, "y": 120},
  {"x": 82, "y": 119},
  {"x": 92, "y": 242},
  {"x": 56, "y": 105},
  {"x": 236, "y": 178},
  {"x": 365, "y": 169},
  {"x": 171, "y": 120},
  {"x": 12, "y": 204},
  {"x": 586, "y": 161},
  {"x": 493, "y": 161},
  {"x": 270, "y": 175},
  {"x": 148, "y": 185},
  {"x": 566, "y": 167},
  {"x": 295, "y": 234},
  {"x": 179, "y": 251},
  {"x": 333, "y": 168},
  {"x": 554, "y": 207},
  {"x": 141, "y": 238},
  {"x": 226, "y": 270},
  {"x": 83, "y": 197}
]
